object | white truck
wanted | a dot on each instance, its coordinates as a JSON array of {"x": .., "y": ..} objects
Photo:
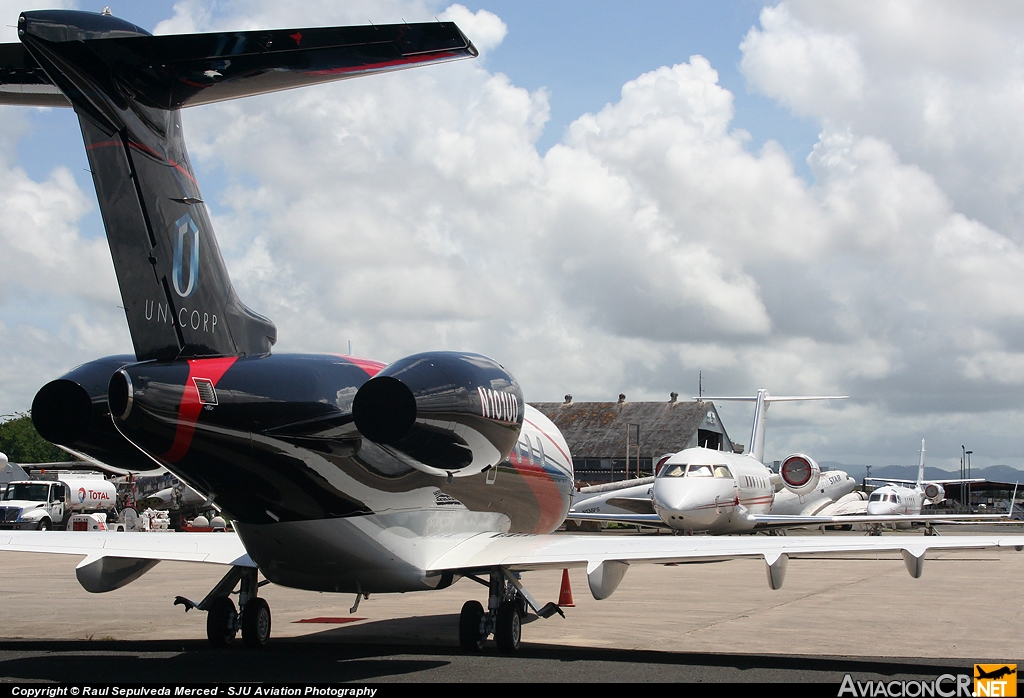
[{"x": 45, "y": 504}]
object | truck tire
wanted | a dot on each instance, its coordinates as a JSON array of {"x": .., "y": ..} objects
[{"x": 45, "y": 525}]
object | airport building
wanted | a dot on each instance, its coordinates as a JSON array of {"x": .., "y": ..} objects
[{"x": 615, "y": 440}]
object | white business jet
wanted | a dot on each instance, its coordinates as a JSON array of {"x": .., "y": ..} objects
[
  {"x": 895, "y": 499},
  {"x": 703, "y": 490}
]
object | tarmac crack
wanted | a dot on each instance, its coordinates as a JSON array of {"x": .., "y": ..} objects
[{"x": 839, "y": 586}]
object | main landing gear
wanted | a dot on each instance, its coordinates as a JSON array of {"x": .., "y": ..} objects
[
  {"x": 223, "y": 621},
  {"x": 507, "y": 605}
]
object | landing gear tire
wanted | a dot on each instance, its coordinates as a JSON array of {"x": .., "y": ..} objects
[
  {"x": 220, "y": 622},
  {"x": 521, "y": 606},
  {"x": 508, "y": 629},
  {"x": 471, "y": 637},
  {"x": 256, "y": 623}
]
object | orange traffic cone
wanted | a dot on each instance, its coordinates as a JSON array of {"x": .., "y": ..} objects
[{"x": 565, "y": 594}]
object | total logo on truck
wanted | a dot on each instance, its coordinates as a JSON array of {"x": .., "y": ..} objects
[{"x": 89, "y": 496}]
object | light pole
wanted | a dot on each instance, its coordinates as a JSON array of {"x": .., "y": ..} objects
[
  {"x": 963, "y": 463},
  {"x": 968, "y": 453}
]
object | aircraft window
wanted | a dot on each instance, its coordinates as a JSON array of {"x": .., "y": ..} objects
[
  {"x": 675, "y": 470},
  {"x": 722, "y": 471},
  {"x": 699, "y": 471}
]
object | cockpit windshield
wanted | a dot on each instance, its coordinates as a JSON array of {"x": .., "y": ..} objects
[
  {"x": 695, "y": 470},
  {"x": 26, "y": 491}
]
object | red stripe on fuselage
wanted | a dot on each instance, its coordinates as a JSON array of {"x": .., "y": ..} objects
[
  {"x": 144, "y": 149},
  {"x": 190, "y": 407},
  {"x": 371, "y": 367},
  {"x": 553, "y": 442},
  {"x": 550, "y": 501}
]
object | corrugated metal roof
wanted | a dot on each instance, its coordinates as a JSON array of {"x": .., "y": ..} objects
[{"x": 598, "y": 429}]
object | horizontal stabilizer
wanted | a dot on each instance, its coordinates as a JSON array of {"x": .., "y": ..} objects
[
  {"x": 958, "y": 481},
  {"x": 23, "y": 81},
  {"x": 773, "y": 398},
  {"x": 181, "y": 70}
]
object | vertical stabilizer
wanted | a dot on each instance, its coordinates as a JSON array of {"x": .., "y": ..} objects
[
  {"x": 127, "y": 88},
  {"x": 177, "y": 295},
  {"x": 763, "y": 400},
  {"x": 920, "y": 469},
  {"x": 759, "y": 425}
]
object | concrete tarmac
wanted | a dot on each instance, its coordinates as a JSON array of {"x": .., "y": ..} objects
[{"x": 705, "y": 622}]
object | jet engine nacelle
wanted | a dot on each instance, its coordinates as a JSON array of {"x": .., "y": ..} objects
[
  {"x": 72, "y": 411},
  {"x": 800, "y": 474},
  {"x": 445, "y": 413},
  {"x": 934, "y": 493}
]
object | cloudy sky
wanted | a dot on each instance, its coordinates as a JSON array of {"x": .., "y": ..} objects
[{"x": 810, "y": 197}]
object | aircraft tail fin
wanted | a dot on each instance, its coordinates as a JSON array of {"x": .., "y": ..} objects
[
  {"x": 920, "y": 468},
  {"x": 127, "y": 88},
  {"x": 763, "y": 400}
]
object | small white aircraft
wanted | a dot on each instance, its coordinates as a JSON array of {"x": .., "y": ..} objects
[
  {"x": 707, "y": 491},
  {"x": 895, "y": 498}
]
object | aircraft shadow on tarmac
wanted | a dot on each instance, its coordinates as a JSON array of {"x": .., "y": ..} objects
[{"x": 385, "y": 651}]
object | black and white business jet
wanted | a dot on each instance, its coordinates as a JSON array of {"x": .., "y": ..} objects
[{"x": 339, "y": 474}]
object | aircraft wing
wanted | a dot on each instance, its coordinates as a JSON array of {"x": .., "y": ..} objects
[
  {"x": 607, "y": 558},
  {"x": 769, "y": 521},
  {"x": 112, "y": 560},
  {"x": 637, "y": 505},
  {"x": 641, "y": 519},
  {"x": 930, "y": 482},
  {"x": 766, "y": 522}
]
